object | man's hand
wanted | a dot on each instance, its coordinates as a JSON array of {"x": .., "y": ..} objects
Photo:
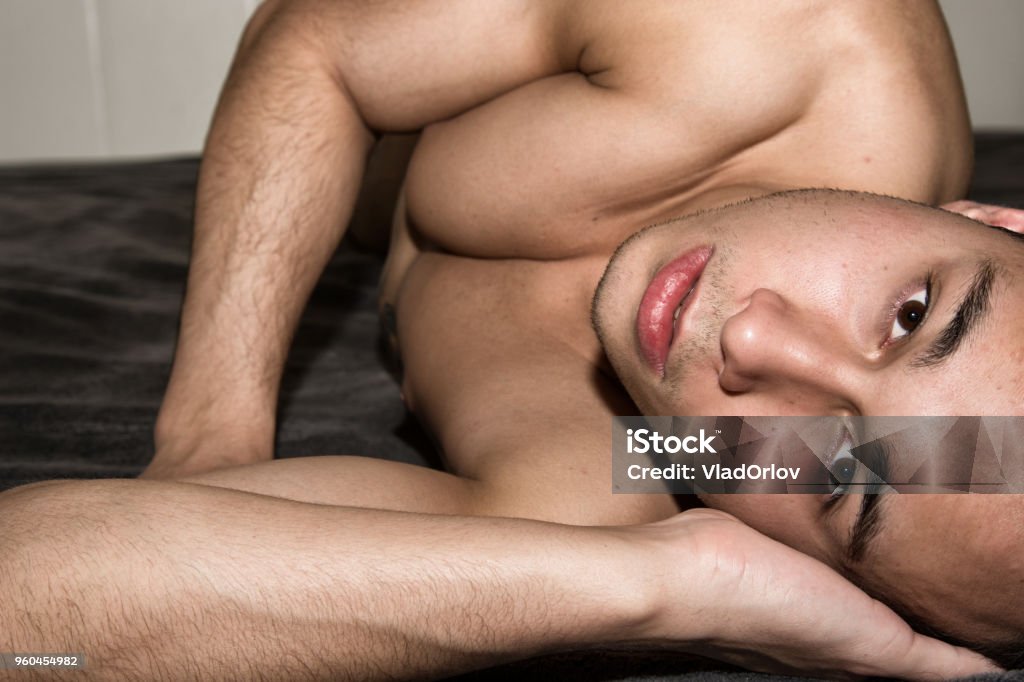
[
  {"x": 997, "y": 216},
  {"x": 762, "y": 605}
]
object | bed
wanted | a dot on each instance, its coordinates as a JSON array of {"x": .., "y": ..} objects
[{"x": 93, "y": 261}]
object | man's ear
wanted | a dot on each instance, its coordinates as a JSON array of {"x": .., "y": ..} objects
[{"x": 998, "y": 216}]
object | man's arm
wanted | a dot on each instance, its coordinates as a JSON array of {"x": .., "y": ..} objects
[
  {"x": 153, "y": 580},
  {"x": 312, "y": 82}
]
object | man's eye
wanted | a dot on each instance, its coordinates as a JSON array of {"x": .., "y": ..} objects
[
  {"x": 842, "y": 472},
  {"x": 910, "y": 314}
]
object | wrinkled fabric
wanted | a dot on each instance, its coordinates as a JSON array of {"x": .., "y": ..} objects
[{"x": 93, "y": 262}]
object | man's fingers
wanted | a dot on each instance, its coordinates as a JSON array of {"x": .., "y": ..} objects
[
  {"x": 998, "y": 216},
  {"x": 931, "y": 659}
]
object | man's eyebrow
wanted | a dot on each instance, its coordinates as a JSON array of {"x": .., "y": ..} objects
[
  {"x": 867, "y": 525},
  {"x": 876, "y": 457},
  {"x": 969, "y": 313}
]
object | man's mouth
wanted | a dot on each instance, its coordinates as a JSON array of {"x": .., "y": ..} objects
[{"x": 664, "y": 304}]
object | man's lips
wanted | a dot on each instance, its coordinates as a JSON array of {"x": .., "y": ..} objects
[{"x": 667, "y": 292}]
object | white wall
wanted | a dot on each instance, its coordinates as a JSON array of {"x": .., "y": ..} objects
[
  {"x": 989, "y": 39},
  {"x": 115, "y": 78},
  {"x": 111, "y": 78}
]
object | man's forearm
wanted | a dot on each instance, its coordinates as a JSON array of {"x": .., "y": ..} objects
[
  {"x": 144, "y": 577},
  {"x": 157, "y": 580},
  {"x": 280, "y": 174}
]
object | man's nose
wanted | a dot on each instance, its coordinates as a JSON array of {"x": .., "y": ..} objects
[{"x": 774, "y": 345}]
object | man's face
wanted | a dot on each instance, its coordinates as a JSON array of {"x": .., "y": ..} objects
[
  {"x": 831, "y": 303},
  {"x": 822, "y": 303}
]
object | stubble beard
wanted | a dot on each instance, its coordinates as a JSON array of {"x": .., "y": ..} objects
[{"x": 690, "y": 356}]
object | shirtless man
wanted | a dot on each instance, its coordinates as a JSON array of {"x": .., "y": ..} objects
[{"x": 552, "y": 131}]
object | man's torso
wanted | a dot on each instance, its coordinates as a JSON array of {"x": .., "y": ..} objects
[{"x": 510, "y": 210}]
